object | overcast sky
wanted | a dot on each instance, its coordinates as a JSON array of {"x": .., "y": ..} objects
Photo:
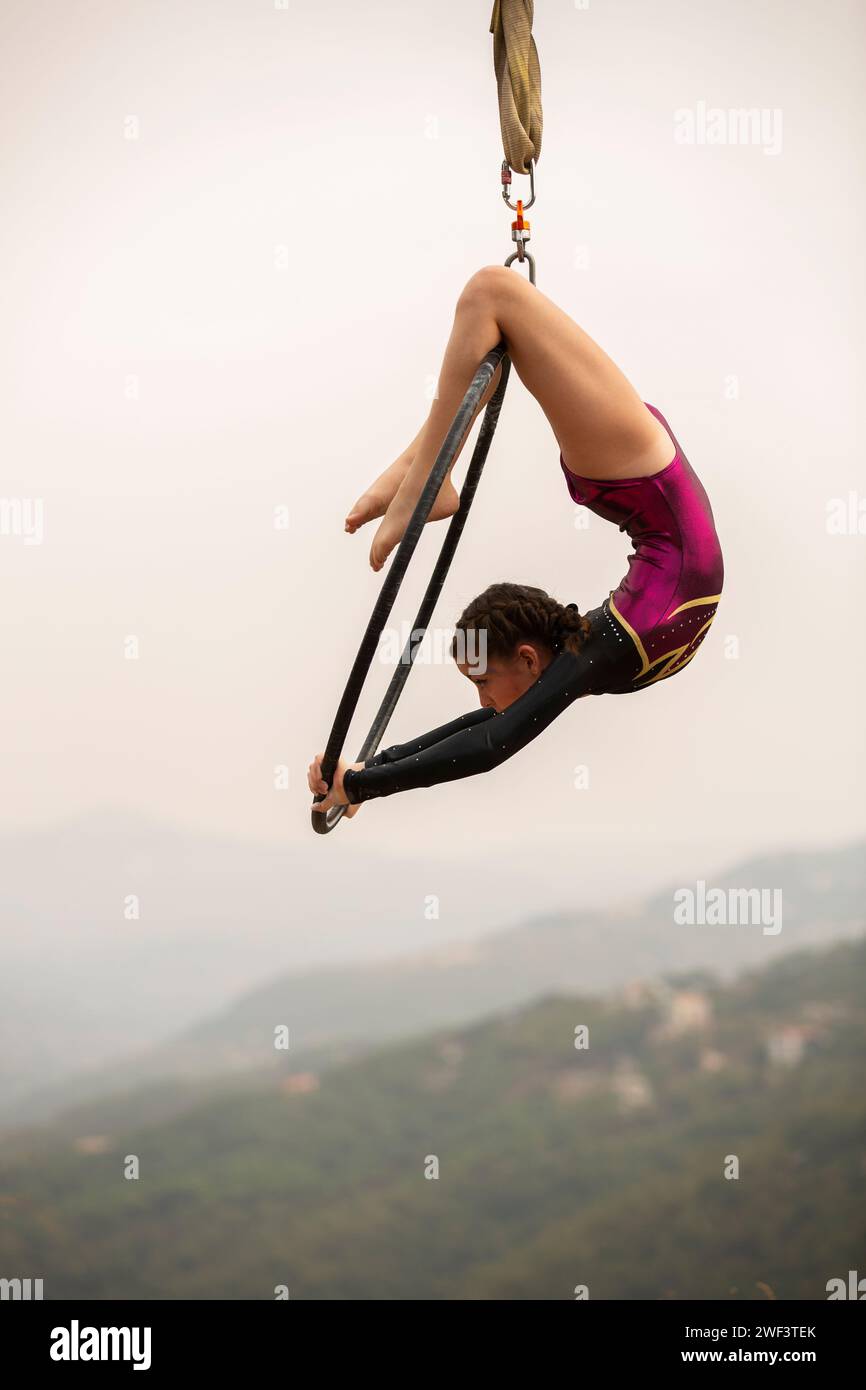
[{"x": 233, "y": 235}]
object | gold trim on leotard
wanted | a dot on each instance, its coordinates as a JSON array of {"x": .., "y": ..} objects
[
  {"x": 671, "y": 658},
  {"x": 692, "y": 603}
]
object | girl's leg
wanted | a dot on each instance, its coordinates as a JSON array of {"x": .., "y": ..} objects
[
  {"x": 600, "y": 423},
  {"x": 376, "y": 500}
]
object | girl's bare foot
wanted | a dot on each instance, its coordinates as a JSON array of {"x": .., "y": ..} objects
[
  {"x": 379, "y": 496},
  {"x": 398, "y": 515}
]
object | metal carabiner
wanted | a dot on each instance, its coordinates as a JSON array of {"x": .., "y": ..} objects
[
  {"x": 527, "y": 256},
  {"x": 506, "y": 183}
]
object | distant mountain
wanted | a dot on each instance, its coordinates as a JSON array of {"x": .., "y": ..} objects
[
  {"x": 703, "y": 1141},
  {"x": 84, "y": 981},
  {"x": 336, "y": 1013}
]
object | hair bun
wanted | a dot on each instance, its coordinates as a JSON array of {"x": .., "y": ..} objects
[{"x": 568, "y": 623}]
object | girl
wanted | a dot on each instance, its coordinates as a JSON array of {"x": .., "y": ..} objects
[{"x": 621, "y": 460}]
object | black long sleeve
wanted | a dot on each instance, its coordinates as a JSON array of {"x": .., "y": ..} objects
[
  {"x": 481, "y": 740},
  {"x": 398, "y": 751}
]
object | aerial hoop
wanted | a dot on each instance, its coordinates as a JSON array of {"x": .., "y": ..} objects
[
  {"x": 325, "y": 821},
  {"x": 518, "y": 78}
]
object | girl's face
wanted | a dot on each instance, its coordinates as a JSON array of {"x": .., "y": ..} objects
[{"x": 502, "y": 681}]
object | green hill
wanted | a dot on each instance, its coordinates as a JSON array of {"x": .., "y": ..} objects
[
  {"x": 557, "y": 1167},
  {"x": 342, "y": 1012}
]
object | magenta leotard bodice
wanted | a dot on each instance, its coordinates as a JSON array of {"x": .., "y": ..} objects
[{"x": 668, "y": 598}]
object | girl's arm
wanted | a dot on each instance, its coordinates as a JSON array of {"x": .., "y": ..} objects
[
  {"x": 398, "y": 751},
  {"x": 482, "y": 740}
]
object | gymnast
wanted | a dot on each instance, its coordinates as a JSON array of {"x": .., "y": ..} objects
[{"x": 621, "y": 460}]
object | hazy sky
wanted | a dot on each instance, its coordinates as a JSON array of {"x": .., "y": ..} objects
[{"x": 232, "y": 239}]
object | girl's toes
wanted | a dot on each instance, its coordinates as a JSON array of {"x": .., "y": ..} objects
[
  {"x": 383, "y": 544},
  {"x": 363, "y": 511}
]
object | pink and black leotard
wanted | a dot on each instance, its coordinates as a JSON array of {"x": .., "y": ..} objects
[{"x": 645, "y": 631}]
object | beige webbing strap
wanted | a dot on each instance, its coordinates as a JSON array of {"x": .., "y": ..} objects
[{"x": 518, "y": 77}]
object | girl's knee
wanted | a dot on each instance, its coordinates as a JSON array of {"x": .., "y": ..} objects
[{"x": 487, "y": 284}]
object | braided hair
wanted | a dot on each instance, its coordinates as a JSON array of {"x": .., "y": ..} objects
[{"x": 515, "y": 613}]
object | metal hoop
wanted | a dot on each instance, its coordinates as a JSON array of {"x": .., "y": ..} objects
[{"x": 324, "y": 822}]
